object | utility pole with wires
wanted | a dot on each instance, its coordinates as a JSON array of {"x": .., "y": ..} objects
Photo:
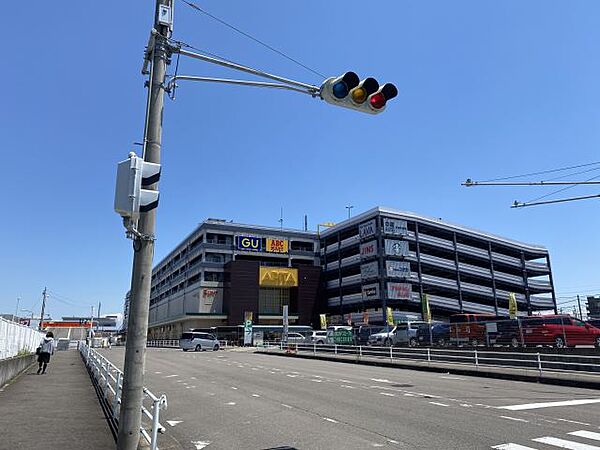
[
  {"x": 579, "y": 303},
  {"x": 507, "y": 181},
  {"x": 44, "y": 296},
  {"x": 158, "y": 56}
]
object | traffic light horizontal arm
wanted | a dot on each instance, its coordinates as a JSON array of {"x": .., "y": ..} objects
[
  {"x": 241, "y": 68},
  {"x": 172, "y": 84}
]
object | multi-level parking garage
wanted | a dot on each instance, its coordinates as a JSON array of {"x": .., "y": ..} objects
[{"x": 386, "y": 257}]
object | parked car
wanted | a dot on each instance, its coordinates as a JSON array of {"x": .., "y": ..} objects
[
  {"x": 362, "y": 333},
  {"x": 317, "y": 337},
  {"x": 439, "y": 335},
  {"x": 198, "y": 342},
  {"x": 471, "y": 329},
  {"x": 404, "y": 333},
  {"x": 559, "y": 331},
  {"x": 296, "y": 338}
]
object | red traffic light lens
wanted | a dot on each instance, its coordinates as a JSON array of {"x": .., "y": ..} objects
[{"x": 377, "y": 101}]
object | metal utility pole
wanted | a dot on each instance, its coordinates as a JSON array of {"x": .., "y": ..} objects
[
  {"x": 91, "y": 333},
  {"x": 17, "y": 310},
  {"x": 579, "y": 303},
  {"x": 130, "y": 416},
  {"x": 44, "y": 296},
  {"x": 349, "y": 208}
]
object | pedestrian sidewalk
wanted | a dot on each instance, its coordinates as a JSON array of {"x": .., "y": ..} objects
[{"x": 57, "y": 410}]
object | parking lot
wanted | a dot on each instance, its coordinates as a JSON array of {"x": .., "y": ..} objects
[{"x": 238, "y": 399}]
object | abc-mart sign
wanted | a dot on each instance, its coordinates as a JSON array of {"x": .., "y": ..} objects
[{"x": 260, "y": 244}]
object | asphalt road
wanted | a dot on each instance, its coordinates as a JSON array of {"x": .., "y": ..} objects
[{"x": 236, "y": 399}]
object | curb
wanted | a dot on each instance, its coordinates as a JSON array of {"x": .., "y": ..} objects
[{"x": 451, "y": 370}]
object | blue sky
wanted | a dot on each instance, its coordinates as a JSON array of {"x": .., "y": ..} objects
[{"x": 487, "y": 89}]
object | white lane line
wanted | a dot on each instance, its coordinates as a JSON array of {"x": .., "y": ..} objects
[
  {"x": 193, "y": 378},
  {"x": 409, "y": 395},
  {"x": 586, "y": 434},
  {"x": 255, "y": 395},
  {"x": 451, "y": 378},
  {"x": 574, "y": 421},
  {"x": 270, "y": 371},
  {"x": 171, "y": 376},
  {"x": 345, "y": 381},
  {"x": 158, "y": 373},
  {"x": 514, "y": 418},
  {"x": 392, "y": 441},
  {"x": 234, "y": 388},
  {"x": 174, "y": 422},
  {"x": 286, "y": 406},
  {"x": 438, "y": 404},
  {"x": 466, "y": 405},
  {"x": 562, "y": 443},
  {"x": 380, "y": 380},
  {"x": 330, "y": 420},
  {"x": 291, "y": 376},
  {"x": 387, "y": 393},
  {"x": 230, "y": 403},
  {"x": 511, "y": 446},
  {"x": 375, "y": 444},
  {"x": 585, "y": 401},
  {"x": 347, "y": 386},
  {"x": 255, "y": 368},
  {"x": 317, "y": 381},
  {"x": 200, "y": 444}
]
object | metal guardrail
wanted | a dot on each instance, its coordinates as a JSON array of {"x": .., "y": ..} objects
[
  {"x": 539, "y": 362},
  {"x": 174, "y": 343},
  {"x": 109, "y": 380}
]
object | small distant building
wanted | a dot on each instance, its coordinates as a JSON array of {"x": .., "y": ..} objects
[{"x": 593, "y": 307}]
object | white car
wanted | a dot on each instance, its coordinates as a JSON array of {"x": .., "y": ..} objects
[
  {"x": 295, "y": 338},
  {"x": 198, "y": 341},
  {"x": 317, "y": 337}
]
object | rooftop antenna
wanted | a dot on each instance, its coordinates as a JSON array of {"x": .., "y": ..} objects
[
  {"x": 281, "y": 219},
  {"x": 305, "y": 222}
]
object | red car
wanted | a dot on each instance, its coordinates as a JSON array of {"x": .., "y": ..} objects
[{"x": 558, "y": 331}]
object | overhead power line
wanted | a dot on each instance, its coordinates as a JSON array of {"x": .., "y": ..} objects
[
  {"x": 249, "y": 36},
  {"x": 542, "y": 172}
]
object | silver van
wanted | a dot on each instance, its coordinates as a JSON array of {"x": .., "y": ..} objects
[{"x": 198, "y": 341}]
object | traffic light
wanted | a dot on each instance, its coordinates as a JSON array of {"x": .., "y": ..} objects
[
  {"x": 366, "y": 95},
  {"x": 133, "y": 175}
]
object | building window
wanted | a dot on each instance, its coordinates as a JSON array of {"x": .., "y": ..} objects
[
  {"x": 214, "y": 276},
  {"x": 215, "y": 257},
  {"x": 271, "y": 300}
]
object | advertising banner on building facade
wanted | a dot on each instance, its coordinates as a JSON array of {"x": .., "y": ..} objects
[
  {"x": 394, "y": 247},
  {"x": 368, "y": 249},
  {"x": 395, "y": 227},
  {"x": 369, "y": 270},
  {"x": 399, "y": 269},
  {"x": 367, "y": 229},
  {"x": 389, "y": 316},
  {"x": 209, "y": 295},
  {"x": 278, "y": 277},
  {"x": 370, "y": 291},
  {"x": 249, "y": 243},
  {"x": 512, "y": 305},
  {"x": 277, "y": 245},
  {"x": 323, "y": 319},
  {"x": 425, "y": 311},
  {"x": 399, "y": 291}
]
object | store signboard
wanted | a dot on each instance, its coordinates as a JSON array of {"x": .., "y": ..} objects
[
  {"x": 367, "y": 229},
  {"x": 370, "y": 292},
  {"x": 277, "y": 245},
  {"x": 394, "y": 247},
  {"x": 209, "y": 295},
  {"x": 278, "y": 277},
  {"x": 249, "y": 243},
  {"x": 368, "y": 249},
  {"x": 395, "y": 227},
  {"x": 369, "y": 270},
  {"x": 400, "y": 269},
  {"x": 399, "y": 291}
]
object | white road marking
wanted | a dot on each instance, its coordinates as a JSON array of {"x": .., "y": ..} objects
[
  {"x": 466, "y": 405},
  {"x": 171, "y": 376},
  {"x": 585, "y": 401},
  {"x": 438, "y": 404},
  {"x": 174, "y": 422},
  {"x": 380, "y": 380},
  {"x": 317, "y": 381},
  {"x": 255, "y": 368},
  {"x": 574, "y": 421},
  {"x": 347, "y": 386},
  {"x": 511, "y": 446},
  {"x": 451, "y": 378},
  {"x": 291, "y": 376},
  {"x": 375, "y": 444},
  {"x": 157, "y": 373},
  {"x": 562, "y": 443},
  {"x": 255, "y": 395},
  {"x": 193, "y": 378},
  {"x": 286, "y": 406},
  {"x": 387, "y": 393},
  {"x": 586, "y": 434},
  {"x": 234, "y": 388},
  {"x": 330, "y": 420},
  {"x": 200, "y": 444},
  {"x": 270, "y": 371},
  {"x": 392, "y": 441},
  {"x": 230, "y": 403},
  {"x": 409, "y": 395},
  {"x": 345, "y": 381},
  {"x": 514, "y": 418}
]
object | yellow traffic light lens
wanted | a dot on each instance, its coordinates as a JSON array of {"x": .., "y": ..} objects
[{"x": 359, "y": 95}]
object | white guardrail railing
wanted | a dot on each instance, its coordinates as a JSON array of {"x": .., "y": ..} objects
[
  {"x": 174, "y": 343},
  {"x": 109, "y": 380},
  {"x": 540, "y": 362}
]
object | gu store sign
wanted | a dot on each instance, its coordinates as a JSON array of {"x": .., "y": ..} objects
[
  {"x": 398, "y": 269},
  {"x": 369, "y": 270},
  {"x": 399, "y": 291},
  {"x": 368, "y": 249},
  {"x": 394, "y": 247},
  {"x": 367, "y": 229},
  {"x": 395, "y": 227}
]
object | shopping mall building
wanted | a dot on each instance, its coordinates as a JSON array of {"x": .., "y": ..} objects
[{"x": 353, "y": 270}]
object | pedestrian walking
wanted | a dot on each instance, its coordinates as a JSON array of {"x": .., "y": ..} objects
[{"x": 45, "y": 349}]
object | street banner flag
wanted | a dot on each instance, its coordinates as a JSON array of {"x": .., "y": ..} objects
[
  {"x": 349, "y": 319},
  {"x": 323, "y": 318},
  {"x": 366, "y": 317},
  {"x": 390, "y": 316},
  {"x": 426, "y": 312},
  {"x": 512, "y": 305}
]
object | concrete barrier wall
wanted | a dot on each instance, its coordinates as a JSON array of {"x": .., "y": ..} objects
[{"x": 11, "y": 367}]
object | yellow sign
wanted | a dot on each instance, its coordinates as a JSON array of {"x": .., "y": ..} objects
[
  {"x": 323, "y": 318},
  {"x": 277, "y": 245},
  {"x": 390, "y": 316},
  {"x": 278, "y": 277},
  {"x": 512, "y": 305},
  {"x": 425, "y": 308}
]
